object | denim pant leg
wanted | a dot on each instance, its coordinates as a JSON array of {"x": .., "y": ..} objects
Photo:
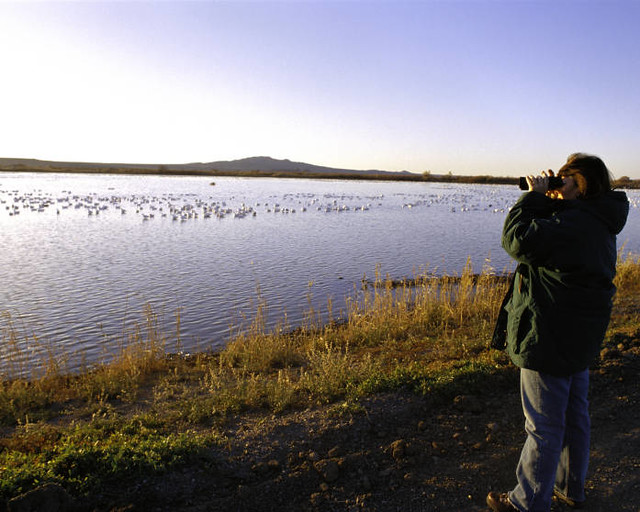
[
  {"x": 574, "y": 458},
  {"x": 544, "y": 402}
]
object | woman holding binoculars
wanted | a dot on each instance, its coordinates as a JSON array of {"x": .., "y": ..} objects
[{"x": 553, "y": 322}]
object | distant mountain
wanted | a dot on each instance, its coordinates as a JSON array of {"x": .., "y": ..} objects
[
  {"x": 254, "y": 165},
  {"x": 265, "y": 163}
]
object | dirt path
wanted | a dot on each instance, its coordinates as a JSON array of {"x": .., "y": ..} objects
[{"x": 400, "y": 452}]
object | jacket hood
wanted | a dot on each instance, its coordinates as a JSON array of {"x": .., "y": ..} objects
[{"x": 611, "y": 209}]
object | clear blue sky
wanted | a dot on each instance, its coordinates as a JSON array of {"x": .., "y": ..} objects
[{"x": 471, "y": 87}]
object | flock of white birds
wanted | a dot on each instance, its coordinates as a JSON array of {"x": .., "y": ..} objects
[{"x": 184, "y": 207}]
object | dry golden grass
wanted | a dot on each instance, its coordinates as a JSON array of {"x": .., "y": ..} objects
[
  {"x": 628, "y": 273},
  {"x": 392, "y": 334}
]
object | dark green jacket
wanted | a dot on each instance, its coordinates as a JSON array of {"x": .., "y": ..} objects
[{"x": 562, "y": 294}]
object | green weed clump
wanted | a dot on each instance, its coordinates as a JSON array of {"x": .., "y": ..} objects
[{"x": 86, "y": 456}]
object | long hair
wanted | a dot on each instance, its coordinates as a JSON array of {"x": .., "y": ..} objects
[{"x": 590, "y": 173}]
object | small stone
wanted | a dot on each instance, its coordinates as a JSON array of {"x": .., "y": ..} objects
[
  {"x": 609, "y": 353},
  {"x": 468, "y": 403},
  {"x": 398, "y": 449},
  {"x": 386, "y": 472},
  {"x": 334, "y": 452},
  {"x": 274, "y": 465},
  {"x": 315, "y": 498},
  {"x": 328, "y": 469},
  {"x": 260, "y": 468}
]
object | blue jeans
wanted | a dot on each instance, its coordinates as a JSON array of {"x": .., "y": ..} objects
[{"x": 556, "y": 452}]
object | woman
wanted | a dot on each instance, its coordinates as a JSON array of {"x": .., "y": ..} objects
[{"x": 556, "y": 317}]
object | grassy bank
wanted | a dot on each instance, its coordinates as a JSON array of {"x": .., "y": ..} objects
[{"x": 145, "y": 412}]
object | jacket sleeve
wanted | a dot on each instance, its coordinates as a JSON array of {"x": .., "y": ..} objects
[{"x": 530, "y": 230}]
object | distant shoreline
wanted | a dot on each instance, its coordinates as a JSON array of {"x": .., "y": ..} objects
[
  {"x": 190, "y": 170},
  {"x": 368, "y": 176}
]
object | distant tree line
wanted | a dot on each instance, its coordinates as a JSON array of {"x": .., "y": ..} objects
[
  {"x": 482, "y": 179},
  {"x": 622, "y": 182},
  {"x": 626, "y": 182}
]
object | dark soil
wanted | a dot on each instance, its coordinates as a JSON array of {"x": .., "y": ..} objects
[
  {"x": 401, "y": 452},
  {"x": 390, "y": 452}
]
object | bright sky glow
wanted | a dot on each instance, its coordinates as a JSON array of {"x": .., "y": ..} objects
[{"x": 471, "y": 87}]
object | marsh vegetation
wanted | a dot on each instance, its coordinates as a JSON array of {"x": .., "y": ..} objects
[{"x": 144, "y": 411}]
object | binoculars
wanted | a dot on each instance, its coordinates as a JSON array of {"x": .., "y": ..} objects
[{"x": 555, "y": 182}]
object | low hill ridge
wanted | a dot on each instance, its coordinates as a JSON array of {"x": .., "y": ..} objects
[{"x": 251, "y": 164}]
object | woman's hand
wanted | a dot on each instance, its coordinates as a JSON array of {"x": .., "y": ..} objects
[{"x": 539, "y": 183}]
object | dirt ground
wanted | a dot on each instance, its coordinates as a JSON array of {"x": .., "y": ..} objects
[{"x": 401, "y": 452}]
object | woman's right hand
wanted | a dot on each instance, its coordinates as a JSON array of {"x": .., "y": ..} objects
[{"x": 539, "y": 183}]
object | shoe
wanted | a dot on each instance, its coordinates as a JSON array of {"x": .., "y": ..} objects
[
  {"x": 568, "y": 501},
  {"x": 500, "y": 502}
]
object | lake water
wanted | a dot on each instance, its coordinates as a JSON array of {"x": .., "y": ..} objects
[{"x": 82, "y": 255}]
